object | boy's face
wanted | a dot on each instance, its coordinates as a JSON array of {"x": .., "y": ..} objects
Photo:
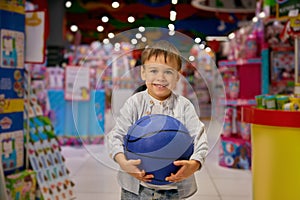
[{"x": 160, "y": 77}]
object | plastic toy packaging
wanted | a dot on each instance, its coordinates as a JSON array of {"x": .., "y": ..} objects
[
  {"x": 227, "y": 127},
  {"x": 278, "y": 102},
  {"x": 21, "y": 186},
  {"x": 251, "y": 46},
  {"x": 293, "y": 105},
  {"x": 270, "y": 102},
  {"x": 234, "y": 87}
]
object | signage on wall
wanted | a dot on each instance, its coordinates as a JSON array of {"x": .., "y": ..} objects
[
  {"x": 12, "y": 49},
  {"x": 77, "y": 83},
  {"x": 35, "y": 37},
  {"x": 284, "y": 8}
]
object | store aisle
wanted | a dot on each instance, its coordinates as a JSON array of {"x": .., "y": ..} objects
[{"x": 94, "y": 176}]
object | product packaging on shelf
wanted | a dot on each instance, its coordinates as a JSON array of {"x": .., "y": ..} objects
[
  {"x": 235, "y": 153},
  {"x": 22, "y": 185},
  {"x": 278, "y": 102},
  {"x": 234, "y": 87}
]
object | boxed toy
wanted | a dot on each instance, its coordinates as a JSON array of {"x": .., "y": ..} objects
[
  {"x": 235, "y": 153},
  {"x": 22, "y": 185}
]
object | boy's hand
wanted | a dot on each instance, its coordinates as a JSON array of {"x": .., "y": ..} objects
[
  {"x": 188, "y": 167},
  {"x": 130, "y": 166}
]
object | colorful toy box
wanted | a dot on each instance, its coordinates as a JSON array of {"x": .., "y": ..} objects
[
  {"x": 22, "y": 185},
  {"x": 235, "y": 153}
]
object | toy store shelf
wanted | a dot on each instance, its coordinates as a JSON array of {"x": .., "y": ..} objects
[
  {"x": 275, "y": 145},
  {"x": 239, "y": 62},
  {"x": 238, "y": 102},
  {"x": 271, "y": 117}
]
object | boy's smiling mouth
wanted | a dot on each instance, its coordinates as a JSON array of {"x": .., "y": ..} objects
[{"x": 159, "y": 85}]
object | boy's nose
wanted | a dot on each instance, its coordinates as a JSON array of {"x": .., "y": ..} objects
[{"x": 160, "y": 75}]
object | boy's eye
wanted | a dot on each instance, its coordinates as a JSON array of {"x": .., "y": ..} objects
[
  {"x": 169, "y": 72},
  {"x": 153, "y": 70}
]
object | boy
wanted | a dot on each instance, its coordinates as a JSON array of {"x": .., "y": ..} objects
[{"x": 160, "y": 71}]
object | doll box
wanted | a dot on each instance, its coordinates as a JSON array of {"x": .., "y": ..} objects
[
  {"x": 22, "y": 185},
  {"x": 235, "y": 153}
]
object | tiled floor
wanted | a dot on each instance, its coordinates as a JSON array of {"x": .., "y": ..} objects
[{"x": 94, "y": 174}]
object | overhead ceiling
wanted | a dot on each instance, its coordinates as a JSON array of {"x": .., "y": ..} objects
[{"x": 190, "y": 20}]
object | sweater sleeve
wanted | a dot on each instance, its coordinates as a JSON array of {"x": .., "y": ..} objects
[
  {"x": 115, "y": 137},
  {"x": 198, "y": 132}
]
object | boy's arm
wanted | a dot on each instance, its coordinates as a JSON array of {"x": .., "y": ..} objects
[
  {"x": 198, "y": 132},
  {"x": 115, "y": 138},
  {"x": 200, "y": 147}
]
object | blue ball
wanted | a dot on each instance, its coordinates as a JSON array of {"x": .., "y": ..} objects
[{"x": 158, "y": 140}]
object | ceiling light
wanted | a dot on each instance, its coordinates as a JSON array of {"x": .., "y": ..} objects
[
  {"x": 115, "y": 4},
  {"x": 171, "y": 27},
  {"x": 141, "y": 29},
  {"x": 117, "y": 45},
  {"x": 105, "y": 41},
  {"x": 100, "y": 28},
  {"x": 68, "y": 4},
  {"x": 231, "y": 36},
  {"x": 254, "y": 19},
  {"x": 104, "y": 19},
  {"x": 262, "y": 14},
  {"x": 144, "y": 39},
  {"x": 197, "y": 40},
  {"x": 171, "y": 32},
  {"x": 173, "y": 15},
  {"x": 201, "y": 46},
  {"x": 138, "y": 35},
  {"x": 131, "y": 19},
  {"x": 191, "y": 58},
  {"x": 111, "y": 35},
  {"x": 74, "y": 28},
  {"x": 133, "y": 41},
  {"x": 208, "y": 49},
  {"x": 174, "y": 2}
]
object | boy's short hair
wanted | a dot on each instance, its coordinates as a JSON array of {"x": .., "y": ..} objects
[{"x": 162, "y": 47}]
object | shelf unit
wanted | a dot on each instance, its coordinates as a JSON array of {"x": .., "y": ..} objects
[{"x": 236, "y": 137}]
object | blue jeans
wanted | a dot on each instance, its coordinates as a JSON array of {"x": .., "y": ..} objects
[{"x": 150, "y": 194}]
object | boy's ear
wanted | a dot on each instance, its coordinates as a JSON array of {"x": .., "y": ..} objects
[{"x": 143, "y": 75}]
